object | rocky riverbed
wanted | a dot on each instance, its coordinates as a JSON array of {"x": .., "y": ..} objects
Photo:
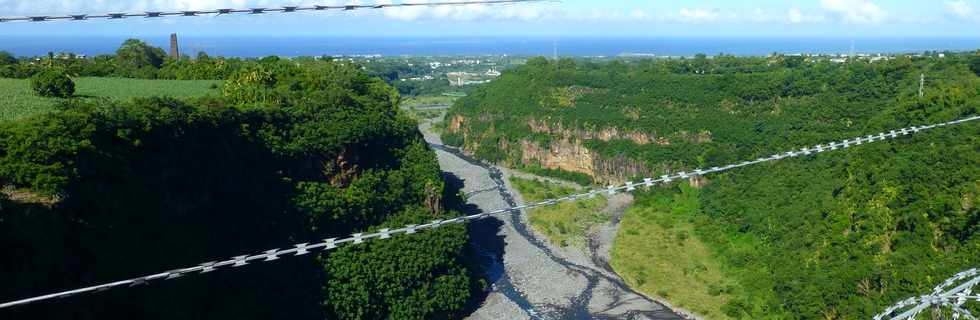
[{"x": 530, "y": 278}]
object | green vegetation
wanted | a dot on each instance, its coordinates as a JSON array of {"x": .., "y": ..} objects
[
  {"x": 109, "y": 189},
  {"x": 428, "y": 101},
  {"x": 576, "y": 177},
  {"x": 52, "y": 83},
  {"x": 125, "y": 89},
  {"x": 566, "y": 223},
  {"x": 423, "y": 107},
  {"x": 837, "y": 236},
  {"x": 975, "y": 64},
  {"x": 657, "y": 252},
  {"x": 433, "y": 87},
  {"x": 139, "y": 60},
  {"x": 424, "y": 114},
  {"x": 17, "y": 101},
  {"x": 429, "y": 76}
]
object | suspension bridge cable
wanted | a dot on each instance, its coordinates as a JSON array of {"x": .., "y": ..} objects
[
  {"x": 383, "y": 234},
  {"x": 283, "y": 9},
  {"x": 942, "y": 296}
]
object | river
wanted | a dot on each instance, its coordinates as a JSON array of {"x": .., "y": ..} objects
[{"x": 530, "y": 278}]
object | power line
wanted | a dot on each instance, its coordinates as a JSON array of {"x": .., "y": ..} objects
[
  {"x": 942, "y": 296},
  {"x": 284, "y": 9},
  {"x": 383, "y": 234}
]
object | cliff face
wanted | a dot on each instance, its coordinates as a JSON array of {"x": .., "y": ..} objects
[
  {"x": 605, "y": 134},
  {"x": 456, "y": 123},
  {"x": 564, "y": 154},
  {"x": 569, "y": 153}
]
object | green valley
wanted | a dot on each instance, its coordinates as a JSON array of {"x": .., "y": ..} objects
[
  {"x": 836, "y": 236},
  {"x": 490, "y": 159}
]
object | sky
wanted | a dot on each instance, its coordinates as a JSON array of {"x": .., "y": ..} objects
[{"x": 588, "y": 18}]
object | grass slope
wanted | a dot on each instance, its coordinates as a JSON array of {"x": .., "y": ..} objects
[
  {"x": 17, "y": 100},
  {"x": 428, "y": 100},
  {"x": 564, "y": 224},
  {"x": 658, "y": 252}
]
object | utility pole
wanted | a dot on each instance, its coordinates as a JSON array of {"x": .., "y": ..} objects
[
  {"x": 555, "y": 55},
  {"x": 922, "y": 83}
]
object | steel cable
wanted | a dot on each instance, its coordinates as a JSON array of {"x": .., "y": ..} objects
[
  {"x": 284, "y": 9},
  {"x": 383, "y": 234},
  {"x": 942, "y": 296}
]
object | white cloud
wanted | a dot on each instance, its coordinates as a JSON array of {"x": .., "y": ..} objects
[
  {"x": 467, "y": 12},
  {"x": 403, "y": 13},
  {"x": 698, "y": 15},
  {"x": 639, "y": 15},
  {"x": 855, "y": 11},
  {"x": 960, "y": 9},
  {"x": 605, "y": 15},
  {"x": 759, "y": 15},
  {"x": 797, "y": 16}
]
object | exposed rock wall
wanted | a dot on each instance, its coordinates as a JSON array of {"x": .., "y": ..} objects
[
  {"x": 456, "y": 123},
  {"x": 564, "y": 155},
  {"x": 605, "y": 134},
  {"x": 569, "y": 153}
]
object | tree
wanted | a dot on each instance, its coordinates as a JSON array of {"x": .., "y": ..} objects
[
  {"x": 793, "y": 61},
  {"x": 253, "y": 83},
  {"x": 7, "y": 59},
  {"x": 53, "y": 83},
  {"x": 975, "y": 64},
  {"x": 8, "y": 64},
  {"x": 135, "y": 54}
]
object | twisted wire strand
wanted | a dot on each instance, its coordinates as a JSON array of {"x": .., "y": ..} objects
[
  {"x": 383, "y": 234},
  {"x": 283, "y": 9},
  {"x": 942, "y": 296}
]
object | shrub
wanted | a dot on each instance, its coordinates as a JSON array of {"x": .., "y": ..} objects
[
  {"x": 254, "y": 83},
  {"x": 53, "y": 83},
  {"x": 7, "y": 59},
  {"x": 975, "y": 64}
]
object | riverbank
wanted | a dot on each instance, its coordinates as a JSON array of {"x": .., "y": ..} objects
[{"x": 530, "y": 278}]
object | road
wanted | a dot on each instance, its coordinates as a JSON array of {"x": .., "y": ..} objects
[{"x": 532, "y": 279}]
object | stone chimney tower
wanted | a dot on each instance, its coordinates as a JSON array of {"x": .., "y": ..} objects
[{"x": 174, "y": 51}]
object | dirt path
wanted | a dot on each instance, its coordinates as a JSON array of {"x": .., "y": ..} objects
[{"x": 531, "y": 279}]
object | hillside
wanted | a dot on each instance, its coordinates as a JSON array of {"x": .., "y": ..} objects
[
  {"x": 835, "y": 236},
  {"x": 287, "y": 152}
]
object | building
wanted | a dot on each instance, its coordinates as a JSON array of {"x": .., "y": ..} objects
[{"x": 174, "y": 51}]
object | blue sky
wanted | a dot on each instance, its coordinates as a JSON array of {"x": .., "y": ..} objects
[{"x": 607, "y": 18}]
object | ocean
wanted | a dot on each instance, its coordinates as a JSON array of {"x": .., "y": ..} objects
[{"x": 316, "y": 46}]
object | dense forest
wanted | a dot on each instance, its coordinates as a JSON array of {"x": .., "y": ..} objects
[
  {"x": 837, "y": 236},
  {"x": 291, "y": 151}
]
